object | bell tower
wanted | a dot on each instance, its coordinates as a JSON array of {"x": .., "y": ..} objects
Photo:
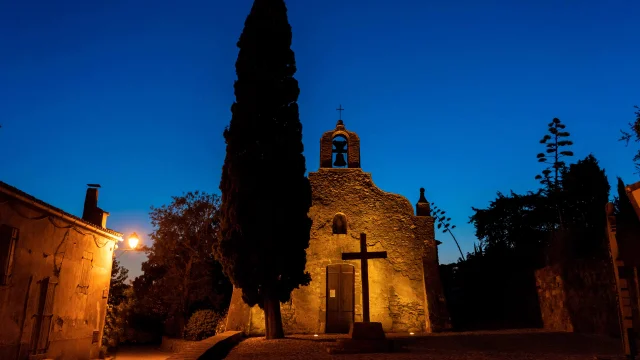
[{"x": 340, "y": 148}]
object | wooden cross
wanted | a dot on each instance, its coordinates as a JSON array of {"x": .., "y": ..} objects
[
  {"x": 340, "y": 109},
  {"x": 363, "y": 256}
]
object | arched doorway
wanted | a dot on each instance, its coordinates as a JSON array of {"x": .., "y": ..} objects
[{"x": 340, "y": 298}]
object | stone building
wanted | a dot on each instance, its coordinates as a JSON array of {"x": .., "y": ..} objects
[
  {"x": 55, "y": 270},
  {"x": 405, "y": 289}
]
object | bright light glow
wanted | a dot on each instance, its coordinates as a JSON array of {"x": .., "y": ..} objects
[
  {"x": 410, "y": 333},
  {"x": 315, "y": 335},
  {"x": 133, "y": 240}
]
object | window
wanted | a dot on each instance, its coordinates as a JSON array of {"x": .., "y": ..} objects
[
  {"x": 42, "y": 319},
  {"x": 339, "y": 224},
  {"x": 8, "y": 239},
  {"x": 95, "y": 337},
  {"x": 85, "y": 276}
]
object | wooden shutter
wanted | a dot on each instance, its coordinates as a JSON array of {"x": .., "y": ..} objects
[
  {"x": 85, "y": 277},
  {"x": 42, "y": 319},
  {"x": 8, "y": 239}
]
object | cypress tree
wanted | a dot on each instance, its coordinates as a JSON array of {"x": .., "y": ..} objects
[{"x": 264, "y": 227}]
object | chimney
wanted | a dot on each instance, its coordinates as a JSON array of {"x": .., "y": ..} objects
[
  {"x": 92, "y": 213},
  {"x": 422, "y": 207}
]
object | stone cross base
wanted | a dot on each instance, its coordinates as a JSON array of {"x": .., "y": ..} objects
[{"x": 366, "y": 337}]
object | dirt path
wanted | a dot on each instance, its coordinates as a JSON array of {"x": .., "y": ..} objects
[{"x": 140, "y": 353}]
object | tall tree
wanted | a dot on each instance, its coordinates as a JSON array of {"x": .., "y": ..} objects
[
  {"x": 624, "y": 208},
  {"x": 181, "y": 275},
  {"x": 633, "y": 133},
  {"x": 553, "y": 156},
  {"x": 551, "y": 178},
  {"x": 585, "y": 192},
  {"x": 265, "y": 194}
]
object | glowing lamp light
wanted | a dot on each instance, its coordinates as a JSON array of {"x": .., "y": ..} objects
[
  {"x": 133, "y": 240},
  {"x": 411, "y": 333},
  {"x": 315, "y": 335}
]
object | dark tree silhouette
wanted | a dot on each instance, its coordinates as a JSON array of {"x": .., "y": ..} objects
[
  {"x": 555, "y": 141},
  {"x": 114, "y": 319},
  {"x": 118, "y": 283},
  {"x": 181, "y": 274},
  {"x": 514, "y": 226},
  {"x": 553, "y": 156},
  {"x": 633, "y": 133},
  {"x": 585, "y": 192},
  {"x": 265, "y": 194},
  {"x": 623, "y": 208}
]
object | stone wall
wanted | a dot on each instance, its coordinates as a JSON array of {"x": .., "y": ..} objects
[
  {"x": 578, "y": 296},
  {"x": 54, "y": 248},
  {"x": 400, "y": 296},
  {"x": 172, "y": 345}
]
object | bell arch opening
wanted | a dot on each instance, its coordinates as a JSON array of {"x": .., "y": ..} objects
[{"x": 340, "y": 151}]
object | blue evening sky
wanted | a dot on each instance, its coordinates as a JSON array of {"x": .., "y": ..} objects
[{"x": 448, "y": 95}]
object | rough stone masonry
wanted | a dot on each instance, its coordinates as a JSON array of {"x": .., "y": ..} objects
[{"x": 405, "y": 289}]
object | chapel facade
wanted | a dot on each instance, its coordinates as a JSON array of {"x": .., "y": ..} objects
[{"x": 405, "y": 291}]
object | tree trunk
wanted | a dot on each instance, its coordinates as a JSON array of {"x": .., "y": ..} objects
[{"x": 272, "y": 318}]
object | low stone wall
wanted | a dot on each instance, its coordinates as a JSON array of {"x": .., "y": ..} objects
[
  {"x": 174, "y": 345},
  {"x": 578, "y": 296}
]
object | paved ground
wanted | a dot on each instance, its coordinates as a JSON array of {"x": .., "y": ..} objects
[
  {"x": 496, "y": 345},
  {"x": 140, "y": 353}
]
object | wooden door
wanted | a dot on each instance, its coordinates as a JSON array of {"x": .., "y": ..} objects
[{"x": 340, "y": 298}]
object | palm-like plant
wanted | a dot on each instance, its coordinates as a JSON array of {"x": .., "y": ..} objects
[{"x": 444, "y": 223}]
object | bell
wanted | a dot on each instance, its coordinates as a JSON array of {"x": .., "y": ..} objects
[{"x": 340, "y": 161}]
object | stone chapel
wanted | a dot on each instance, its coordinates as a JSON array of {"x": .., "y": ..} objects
[{"x": 405, "y": 292}]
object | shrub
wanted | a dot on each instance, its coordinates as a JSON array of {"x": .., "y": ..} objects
[
  {"x": 201, "y": 325},
  {"x": 222, "y": 323}
]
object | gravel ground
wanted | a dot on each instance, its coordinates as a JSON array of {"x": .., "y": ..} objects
[
  {"x": 495, "y": 345},
  {"x": 140, "y": 353}
]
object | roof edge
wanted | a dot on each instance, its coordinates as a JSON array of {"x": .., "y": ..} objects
[{"x": 52, "y": 210}]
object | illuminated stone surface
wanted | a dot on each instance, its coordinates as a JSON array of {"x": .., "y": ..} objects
[
  {"x": 405, "y": 289},
  {"x": 72, "y": 257}
]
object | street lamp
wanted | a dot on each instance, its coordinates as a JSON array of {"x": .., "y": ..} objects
[{"x": 133, "y": 242}]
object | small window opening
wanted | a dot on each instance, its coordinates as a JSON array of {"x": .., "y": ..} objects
[{"x": 339, "y": 224}]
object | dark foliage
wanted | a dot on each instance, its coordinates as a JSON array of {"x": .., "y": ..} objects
[
  {"x": 202, "y": 324},
  {"x": 118, "y": 283},
  {"x": 623, "y": 208},
  {"x": 627, "y": 222},
  {"x": 519, "y": 234},
  {"x": 585, "y": 192},
  {"x": 633, "y": 133},
  {"x": 116, "y": 316},
  {"x": 265, "y": 194},
  {"x": 181, "y": 275},
  {"x": 514, "y": 225}
]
